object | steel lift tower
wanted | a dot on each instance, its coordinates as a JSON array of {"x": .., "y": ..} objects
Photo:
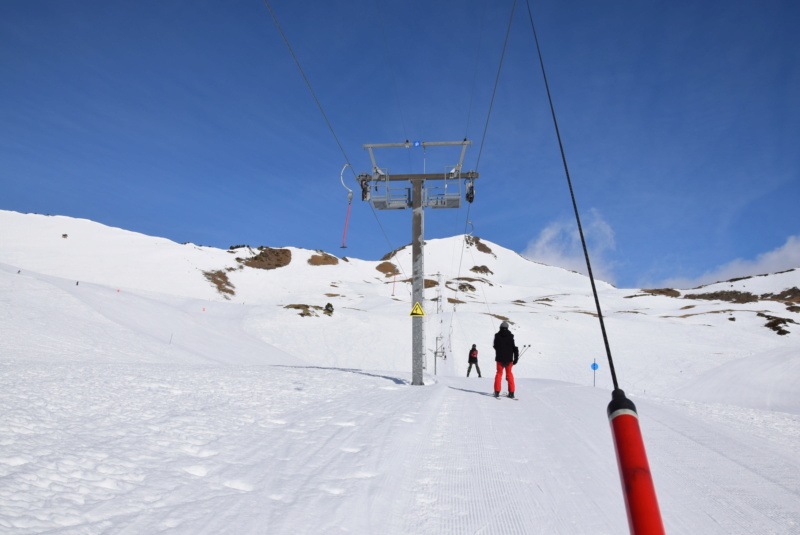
[{"x": 432, "y": 190}]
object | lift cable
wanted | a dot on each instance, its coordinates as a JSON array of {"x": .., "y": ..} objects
[
  {"x": 475, "y": 70},
  {"x": 458, "y": 277},
  {"x": 395, "y": 90},
  {"x": 485, "y": 129},
  {"x": 322, "y": 111},
  {"x": 391, "y": 247},
  {"x": 308, "y": 83},
  {"x": 391, "y": 69},
  {"x": 483, "y": 292},
  {"x": 496, "y": 81},
  {"x": 461, "y": 257},
  {"x": 574, "y": 205}
]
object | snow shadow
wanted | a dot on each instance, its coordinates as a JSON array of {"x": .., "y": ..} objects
[
  {"x": 472, "y": 391},
  {"x": 395, "y": 380}
]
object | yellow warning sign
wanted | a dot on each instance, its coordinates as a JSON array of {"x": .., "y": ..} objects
[{"x": 417, "y": 311}]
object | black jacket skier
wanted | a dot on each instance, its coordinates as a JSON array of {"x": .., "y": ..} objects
[
  {"x": 505, "y": 349},
  {"x": 506, "y": 355}
]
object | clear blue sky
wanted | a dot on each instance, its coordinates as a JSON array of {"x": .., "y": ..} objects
[{"x": 190, "y": 120}]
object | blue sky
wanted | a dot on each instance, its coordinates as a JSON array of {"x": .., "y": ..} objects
[{"x": 190, "y": 120}]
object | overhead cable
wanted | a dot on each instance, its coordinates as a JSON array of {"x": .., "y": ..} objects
[{"x": 308, "y": 83}]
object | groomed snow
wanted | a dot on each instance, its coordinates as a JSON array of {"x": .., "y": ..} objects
[{"x": 138, "y": 399}]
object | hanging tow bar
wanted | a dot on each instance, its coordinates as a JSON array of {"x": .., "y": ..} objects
[{"x": 349, "y": 204}]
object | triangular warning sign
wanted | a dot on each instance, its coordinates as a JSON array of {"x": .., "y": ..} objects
[{"x": 417, "y": 311}]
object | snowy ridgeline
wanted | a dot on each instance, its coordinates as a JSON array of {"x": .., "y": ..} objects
[{"x": 138, "y": 397}]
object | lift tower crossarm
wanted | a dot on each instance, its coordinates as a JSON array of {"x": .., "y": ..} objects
[
  {"x": 464, "y": 144},
  {"x": 429, "y": 176},
  {"x": 408, "y": 144}
]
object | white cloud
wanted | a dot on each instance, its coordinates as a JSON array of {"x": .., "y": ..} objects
[
  {"x": 559, "y": 244},
  {"x": 784, "y": 257}
]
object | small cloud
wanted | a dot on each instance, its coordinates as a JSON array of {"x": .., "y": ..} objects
[
  {"x": 784, "y": 257},
  {"x": 559, "y": 244}
]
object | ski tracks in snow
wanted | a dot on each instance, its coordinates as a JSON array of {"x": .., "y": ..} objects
[
  {"x": 93, "y": 448},
  {"x": 485, "y": 466},
  {"x": 139, "y": 448},
  {"x": 463, "y": 472},
  {"x": 731, "y": 480}
]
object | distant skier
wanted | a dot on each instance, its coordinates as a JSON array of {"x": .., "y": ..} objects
[
  {"x": 473, "y": 359},
  {"x": 506, "y": 355}
]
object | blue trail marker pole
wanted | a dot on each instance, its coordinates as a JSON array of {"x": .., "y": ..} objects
[{"x": 595, "y": 366}]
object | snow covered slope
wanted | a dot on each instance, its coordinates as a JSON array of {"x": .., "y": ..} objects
[
  {"x": 662, "y": 342},
  {"x": 149, "y": 386}
]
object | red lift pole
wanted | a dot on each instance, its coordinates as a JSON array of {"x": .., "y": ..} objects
[
  {"x": 641, "y": 503},
  {"x": 349, "y": 204}
]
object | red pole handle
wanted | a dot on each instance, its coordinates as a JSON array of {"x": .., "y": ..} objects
[
  {"x": 644, "y": 516},
  {"x": 346, "y": 222}
]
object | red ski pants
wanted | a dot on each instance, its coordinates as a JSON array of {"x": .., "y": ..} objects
[{"x": 509, "y": 376}]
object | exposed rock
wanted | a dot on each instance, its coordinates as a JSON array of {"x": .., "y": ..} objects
[
  {"x": 427, "y": 283},
  {"x": 483, "y": 270},
  {"x": 479, "y": 245},
  {"x": 389, "y": 256},
  {"x": 790, "y": 295},
  {"x": 323, "y": 259},
  {"x": 775, "y": 323},
  {"x": 465, "y": 287},
  {"x": 305, "y": 310},
  {"x": 731, "y": 296},
  {"x": 470, "y": 280},
  {"x": 220, "y": 279},
  {"x": 669, "y": 292},
  {"x": 387, "y": 268},
  {"x": 269, "y": 258}
]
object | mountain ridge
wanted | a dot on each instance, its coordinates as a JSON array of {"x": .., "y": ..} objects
[{"x": 15, "y": 220}]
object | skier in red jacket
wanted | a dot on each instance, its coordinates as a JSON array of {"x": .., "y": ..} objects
[{"x": 473, "y": 359}]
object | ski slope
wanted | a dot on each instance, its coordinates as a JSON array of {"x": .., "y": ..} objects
[{"x": 139, "y": 400}]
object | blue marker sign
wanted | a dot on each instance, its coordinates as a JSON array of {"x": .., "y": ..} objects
[
  {"x": 595, "y": 366},
  {"x": 417, "y": 143}
]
